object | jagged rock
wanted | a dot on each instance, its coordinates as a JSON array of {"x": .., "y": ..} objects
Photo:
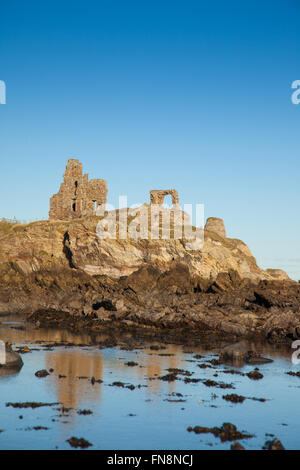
[
  {"x": 237, "y": 446},
  {"x": 275, "y": 444},
  {"x": 62, "y": 270}
]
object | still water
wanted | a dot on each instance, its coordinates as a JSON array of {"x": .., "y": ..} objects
[{"x": 151, "y": 416}]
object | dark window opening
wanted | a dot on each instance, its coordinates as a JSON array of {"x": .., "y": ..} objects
[
  {"x": 74, "y": 207},
  {"x": 76, "y": 186}
]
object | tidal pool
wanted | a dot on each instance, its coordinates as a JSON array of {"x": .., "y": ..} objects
[{"x": 155, "y": 414}]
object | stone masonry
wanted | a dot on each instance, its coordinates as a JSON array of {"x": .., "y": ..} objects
[
  {"x": 77, "y": 196},
  {"x": 157, "y": 196}
]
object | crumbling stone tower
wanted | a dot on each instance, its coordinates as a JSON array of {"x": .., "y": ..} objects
[{"x": 77, "y": 196}]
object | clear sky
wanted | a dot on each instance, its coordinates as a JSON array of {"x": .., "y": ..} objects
[{"x": 192, "y": 95}]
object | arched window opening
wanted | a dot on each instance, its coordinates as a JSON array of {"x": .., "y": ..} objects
[{"x": 168, "y": 203}]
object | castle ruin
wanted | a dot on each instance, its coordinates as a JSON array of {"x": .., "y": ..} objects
[
  {"x": 157, "y": 196},
  {"x": 77, "y": 196}
]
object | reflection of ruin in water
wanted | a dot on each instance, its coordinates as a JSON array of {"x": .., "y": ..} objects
[
  {"x": 74, "y": 362},
  {"x": 70, "y": 390}
]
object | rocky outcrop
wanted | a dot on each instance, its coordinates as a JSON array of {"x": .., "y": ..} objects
[
  {"x": 40, "y": 246},
  {"x": 64, "y": 271}
]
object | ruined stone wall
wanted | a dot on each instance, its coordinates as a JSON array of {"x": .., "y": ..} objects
[
  {"x": 77, "y": 196},
  {"x": 157, "y": 196}
]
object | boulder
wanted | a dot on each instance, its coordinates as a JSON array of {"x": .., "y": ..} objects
[
  {"x": 239, "y": 352},
  {"x": 234, "y": 352},
  {"x": 10, "y": 359},
  {"x": 279, "y": 274}
]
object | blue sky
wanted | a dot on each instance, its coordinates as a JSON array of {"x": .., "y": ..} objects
[{"x": 156, "y": 94}]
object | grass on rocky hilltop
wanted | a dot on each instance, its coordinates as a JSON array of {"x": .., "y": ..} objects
[{"x": 6, "y": 226}]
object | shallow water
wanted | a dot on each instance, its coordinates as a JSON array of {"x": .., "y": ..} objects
[{"x": 141, "y": 418}]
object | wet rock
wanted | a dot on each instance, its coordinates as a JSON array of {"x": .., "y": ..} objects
[
  {"x": 10, "y": 359},
  {"x": 30, "y": 404},
  {"x": 64, "y": 410},
  {"x": 178, "y": 400},
  {"x": 239, "y": 353},
  {"x": 212, "y": 383},
  {"x": 233, "y": 371},
  {"x": 187, "y": 380},
  {"x": 254, "y": 357},
  {"x": 84, "y": 412},
  {"x": 234, "y": 352},
  {"x": 118, "y": 384},
  {"x": 228, "y": 432},
  {"x": 41, "y": 373},
  {"x": 262, "y": 400},
  {"x": 237, "y": 446},
  {"x": 275, "y": 444},
  {"x": 234, "y": 398},
  {"x": 79, "y": 442},
  {"x": 294, "y": 374},
  {"x": 168, "y": 377},
  {"x": 254, "y": 375},
  {"x": 130, "y": 387},
  {"x": 173, "y": 370}
]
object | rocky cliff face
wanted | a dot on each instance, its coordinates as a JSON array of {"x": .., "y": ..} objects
[
  {"x": 57, "y": 266},
  {"x": 43, "y": 245}
]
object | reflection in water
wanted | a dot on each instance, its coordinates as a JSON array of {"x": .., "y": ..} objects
[
  {"x": 32, "y": 334},
  {"x": 74, "y": 364},
  {"x": 119, "y": 413},
  {"x": 5, "y": 372}
]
